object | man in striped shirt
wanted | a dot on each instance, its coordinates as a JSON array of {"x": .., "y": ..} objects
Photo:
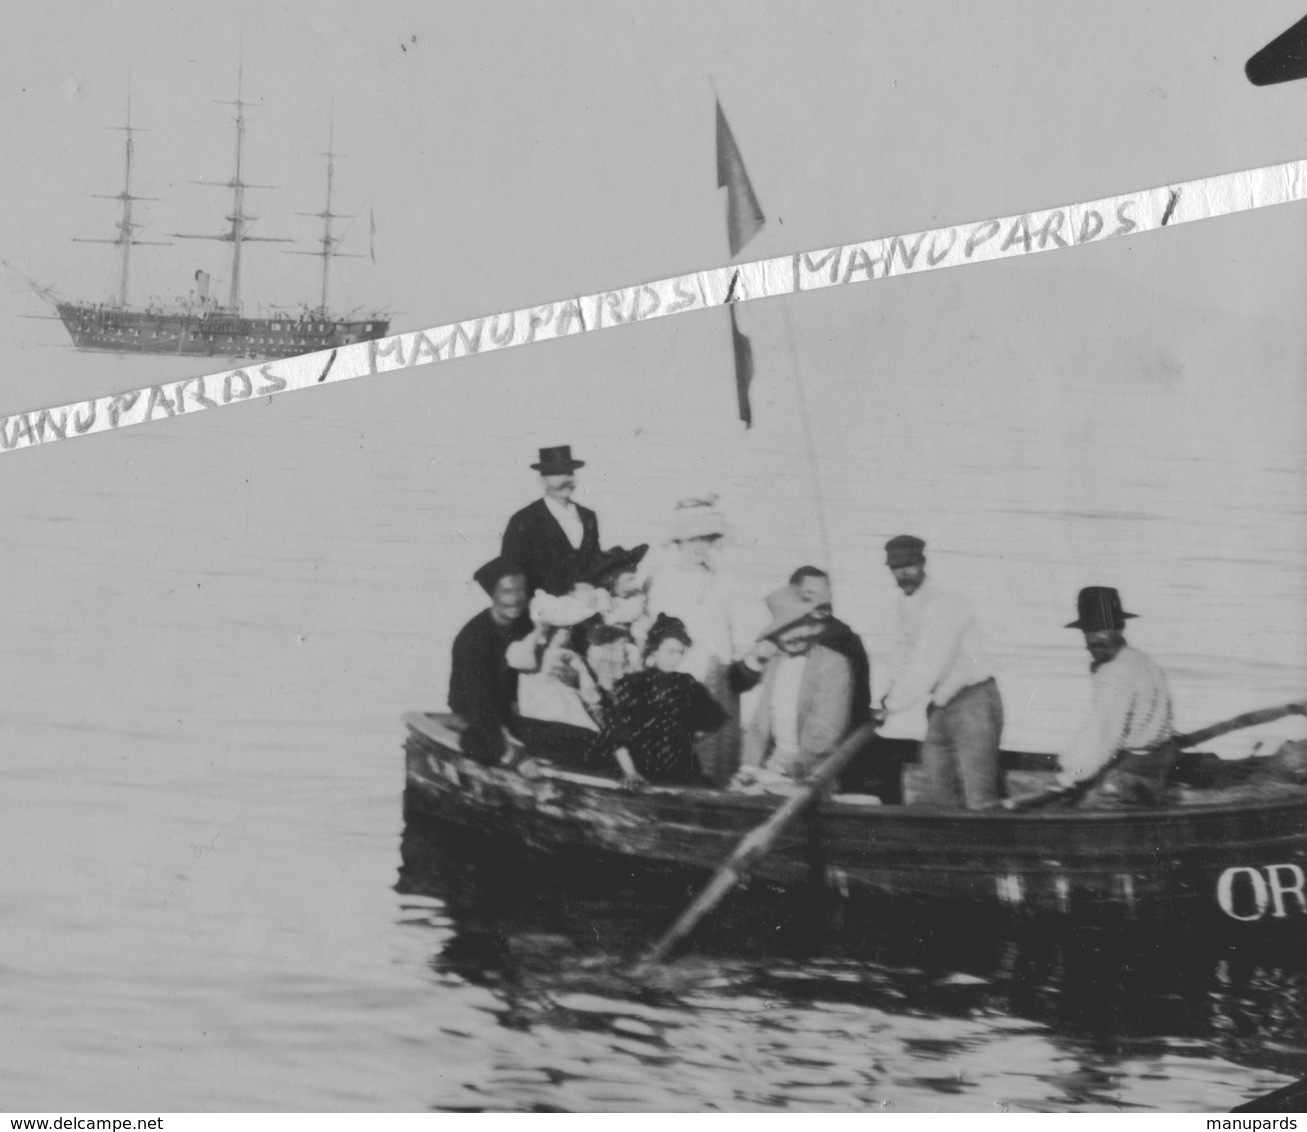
[{"x": 1127, "y": 733}]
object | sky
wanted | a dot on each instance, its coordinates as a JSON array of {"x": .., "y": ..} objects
[{"x": 514, "y": 152}]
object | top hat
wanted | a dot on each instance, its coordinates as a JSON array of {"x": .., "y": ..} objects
[
  {"x": 615, "y": 559},
  {"x": 904, "y": 550},
  {"x": 787, "y": 609},
  {"x": 557, "y": 461},
  {"x": 1099, "y": 608}
]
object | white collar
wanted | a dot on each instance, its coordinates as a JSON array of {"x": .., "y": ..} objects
[{"x": 559, "y": 509}]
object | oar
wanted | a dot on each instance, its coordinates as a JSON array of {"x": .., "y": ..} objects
[
  {"x": 1182, "y": 742},
  {"x": 1238, "y": 723},
  {"x": 755, "y": 845}
]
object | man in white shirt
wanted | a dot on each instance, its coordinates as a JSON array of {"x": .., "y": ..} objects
[
  {"x": 943, "y": 661},
  {"x": 554, "y": 540},
  {"x": 1126, "y": 738}
]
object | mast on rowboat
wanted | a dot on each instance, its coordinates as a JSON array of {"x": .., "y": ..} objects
[
  {"x": 329, "y": 241},
  {"x": 238, "y": 218},
  {"x": 127, "y": 227}
]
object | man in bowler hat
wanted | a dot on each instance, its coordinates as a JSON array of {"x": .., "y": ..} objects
[
  {"x": 554, "y": 540},
  {"x": 1127, "y": 733},
  {"x": 943, "y": 660}
]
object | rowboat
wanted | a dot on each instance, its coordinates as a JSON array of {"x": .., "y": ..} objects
[{"x": 1230, "y": 848}]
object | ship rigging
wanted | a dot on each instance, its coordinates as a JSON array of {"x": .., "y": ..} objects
[{"x": 199, "y": 324}]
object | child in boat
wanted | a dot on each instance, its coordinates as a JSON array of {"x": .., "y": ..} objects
[{"x": 656, "y": 714}]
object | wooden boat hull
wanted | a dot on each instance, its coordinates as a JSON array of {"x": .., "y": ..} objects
[
  {"x": 212, "y": 334},
  {"x": 1242, "y": 863}
]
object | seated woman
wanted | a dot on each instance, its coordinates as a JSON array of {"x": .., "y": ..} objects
[
  {"x": 581, "y": 645},
  {"x": 656, "y": 714},
  {"x": 613, "y": 639},
  {"x": 555, "y": 694}
]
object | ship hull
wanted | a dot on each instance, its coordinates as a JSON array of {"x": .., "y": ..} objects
[{"x": 123, "y": 330}]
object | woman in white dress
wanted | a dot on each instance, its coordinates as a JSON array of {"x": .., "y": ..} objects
[{"x": 693, "y": 590}]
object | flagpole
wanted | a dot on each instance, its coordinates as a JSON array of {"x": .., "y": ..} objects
[
  {"x": 805, "y": 420},
  {"x": 744, "y": 220}
]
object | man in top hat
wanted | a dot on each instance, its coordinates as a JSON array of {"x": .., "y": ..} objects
[
  {"x": 553, "y": 539},
  {"x": 943, "y": 661},
  {"x": 1127, "y": 732},
  {"x": 807, "y": 692},
  {"x": 482, "y": 685}
]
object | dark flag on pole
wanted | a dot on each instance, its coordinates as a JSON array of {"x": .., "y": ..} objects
[
  {"x": 744, "y": 216},
  {"x": 1282, "y": 60},
  {"x": 743, "y": 369},
  {"x": 744, "y": 220}
]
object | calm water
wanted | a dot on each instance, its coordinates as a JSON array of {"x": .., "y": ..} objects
[{"x": 209, "y": 900}]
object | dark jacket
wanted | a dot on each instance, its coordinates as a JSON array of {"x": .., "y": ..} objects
[
  {"x": 840, "y": 638},
  {"x": 482, "y": 687},
  {"x": 534, "y": 540}
]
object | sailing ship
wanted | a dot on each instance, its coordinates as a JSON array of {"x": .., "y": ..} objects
[{"x": 199, "y": 323}]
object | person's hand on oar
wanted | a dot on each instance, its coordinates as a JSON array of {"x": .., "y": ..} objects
[
  {"x": 1070, "y": 792},
  {"x": 632, "y": 779}
]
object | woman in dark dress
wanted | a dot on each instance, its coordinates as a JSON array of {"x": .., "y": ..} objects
[{"x": 656, "y": 714}]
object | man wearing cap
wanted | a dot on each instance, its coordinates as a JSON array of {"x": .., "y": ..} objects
[
  {"x": 482, "y": 685},
  {"x": 554, "y": 540},
  {"x": 944, "y": 661},
  {"x": 807, "y": 692},
  {"x": 1125, "y": 740}
]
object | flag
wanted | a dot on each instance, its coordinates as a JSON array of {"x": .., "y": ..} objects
[
  {"x": 744, "y": 216},
  {"x": 372, "y": 239},
  {"x": 743, "y": 369},
  {"x": 1282, "y": 60}
]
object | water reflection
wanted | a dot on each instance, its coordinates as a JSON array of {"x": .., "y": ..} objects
[{"x": 785, "y": 1002}]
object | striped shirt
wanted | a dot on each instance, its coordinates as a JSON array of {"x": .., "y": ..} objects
[{"x": 1131, "y": 711}]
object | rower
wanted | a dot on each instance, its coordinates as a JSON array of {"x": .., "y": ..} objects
[
  {"x": 943, "y": 660},
  {"x": 1124, "y": 749}
]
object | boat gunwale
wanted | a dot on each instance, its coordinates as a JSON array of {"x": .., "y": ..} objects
[{"x": 1159, "y": 816}]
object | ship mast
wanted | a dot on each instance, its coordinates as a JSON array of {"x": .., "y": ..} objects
[
  {"x": 329, "y": 241},
  {"x": 238, "y": 218},
  {"x": 127, "y": 227}
]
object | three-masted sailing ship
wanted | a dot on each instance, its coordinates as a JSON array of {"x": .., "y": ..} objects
[{"x": 199, "y": 323}]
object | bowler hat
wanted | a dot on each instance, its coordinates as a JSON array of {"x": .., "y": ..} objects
[
  {"x": 904, "y": 550},
  {"x": 1099, "y": 608},
  {"x": 557, "y": 461},
  {"x": 787, "y": 609}
]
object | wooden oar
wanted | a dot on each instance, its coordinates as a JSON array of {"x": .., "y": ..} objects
[
  {"x": 1182, "y": 742},
  {"x": 1238, "y": 723},
  {"x": 755, "y": 845}
]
